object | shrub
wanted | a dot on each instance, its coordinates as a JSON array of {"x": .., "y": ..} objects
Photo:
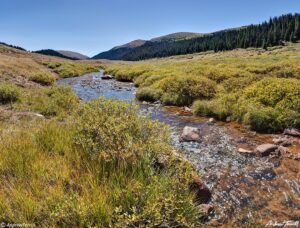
[
  {"x": 262, "y": 119},
  {"x": 68, "y": 69},
  {"x": 217, "y": 108},
  {"x": 275, "y": 91},
  {"x": 9, "y": 93},
  {"x": 55, "y": 101},
  {"x": 105, "y": 124},
  {"x": 114, "y": 184},
  {"x": 148, "y": 94},
  {"x": 43, "y": 78},
  {"x": 184, "y": 90},
  {"x": 62, "y": 100}
]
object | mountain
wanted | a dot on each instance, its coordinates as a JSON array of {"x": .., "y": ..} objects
[
  {"x": 119, "y": 52},
  {"x": 63, "y": 54},
  {"x": 275, "y": 31},
  {"x": 73, "y": 55}
]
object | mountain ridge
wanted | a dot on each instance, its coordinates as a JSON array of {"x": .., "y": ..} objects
[{"x": 120, "y": 51}]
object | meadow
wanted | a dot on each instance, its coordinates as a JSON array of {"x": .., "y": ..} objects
[
  {"x": 260, "y": 88},
  {"x": 68, "y": 163}
]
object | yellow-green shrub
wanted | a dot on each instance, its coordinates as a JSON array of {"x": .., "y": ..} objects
[
  {"x": 148, "y": 94},
  {"x": 55, "y": 101},
  {"x": 93, "y": 169},
  {"x": 68, "y": 69},
  {"x": 43, "y": 78},
  {"x": 8, "y": 93},
  {"x": 183, "y": 90}
]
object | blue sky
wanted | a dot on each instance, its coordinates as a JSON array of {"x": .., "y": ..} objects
[{"x": 92, "y": 26}]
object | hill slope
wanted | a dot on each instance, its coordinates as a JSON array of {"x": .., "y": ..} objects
[
  {"x": 63, "y": 54},
  {"x": 276, "y": 31},
  {"x": 118, "y": 52}
]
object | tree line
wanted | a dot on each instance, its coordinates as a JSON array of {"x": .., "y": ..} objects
[{"x": 276, "y": 31}]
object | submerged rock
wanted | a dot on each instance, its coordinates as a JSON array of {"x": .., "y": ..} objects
[
  {"x": 263, "y": 174},
  {"x": 190, "y": 134},
  {"x": 107, "y": 77},
  {"x": 228, "y": 119},
  {"x": 283, "y": 141},
  {"x": 187, "y": 109},
  {"x": 266, "y": 149},
  {"x": 292, "y": 131},
  {"x": 203, "y": 194},
  {"x": 211, "y": 121}
]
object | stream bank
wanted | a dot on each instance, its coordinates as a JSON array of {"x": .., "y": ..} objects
[{"x": 244, "y": 188}]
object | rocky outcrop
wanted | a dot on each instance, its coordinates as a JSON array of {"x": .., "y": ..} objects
[
  {"x": 265, "y": 149},
  {"x": 190, "y": 134}
]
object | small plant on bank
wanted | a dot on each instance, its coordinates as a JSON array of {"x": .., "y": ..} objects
[
  {"x": 9, "y": 93},
  {"x": 44, "y": 78}
]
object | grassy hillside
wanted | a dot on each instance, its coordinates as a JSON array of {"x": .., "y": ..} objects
[
  {"x": 257, "y": 87},
  {"x": 69, "y": 164},
  {"x": 118, "y": 52},
  {"x": 62, "y": 54}
]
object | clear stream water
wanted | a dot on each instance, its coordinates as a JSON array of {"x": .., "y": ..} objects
[{"x": 244, "y": 189}]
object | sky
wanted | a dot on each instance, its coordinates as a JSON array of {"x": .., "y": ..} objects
[{"x": 93, "y": 26}]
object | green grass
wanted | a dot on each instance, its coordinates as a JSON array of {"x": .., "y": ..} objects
[
  {"x": 96, "y": 168},
  {"x": 247, "y": 85},
  {"x": 55, "y": 101}
]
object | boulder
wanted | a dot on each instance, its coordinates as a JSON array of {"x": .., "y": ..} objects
[
  {"x": 190, "y": 134},
  {"x": 246, "y": 152},
  {"x": 228, "y": 119},
  {"x": 265, "y": 149},
  {"x": 292, "y": 131},
  {"x": 203, "y": 194}
]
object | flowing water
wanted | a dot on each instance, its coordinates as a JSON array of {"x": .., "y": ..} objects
[{"x": 244, "y": 189}]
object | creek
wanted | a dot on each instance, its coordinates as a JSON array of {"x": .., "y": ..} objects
[{"x": 244, "y": 188}]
